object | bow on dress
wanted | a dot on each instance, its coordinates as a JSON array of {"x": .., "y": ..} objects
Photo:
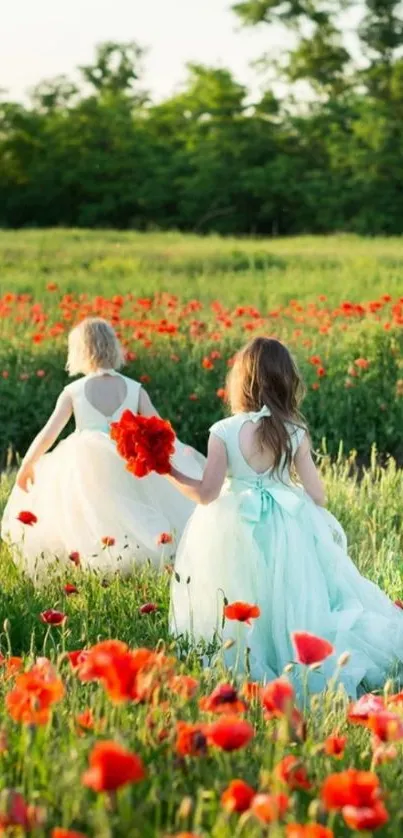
[{"x": 258, "y": 492}]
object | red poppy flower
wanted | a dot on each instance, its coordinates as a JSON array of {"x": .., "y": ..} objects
[
  {"x": 108, "y": 541},
  {"x": 58, "y": 832},
  {"x": 278, "y": 697},
  {"x": 146, "y": 443},
  {"x": 320, "y": 372},
  {"x": 53, "y": 618},
  {"x": 383, "y": 753},
  {"x": 221, "y": 393},
  {"x": 86, "y": 719},
  {"x": 238, "y": 796},
  {"x": 27, "y": 518},
  {"x": 395, "y": 699},
  {"x": 70, "y": 589},
  {"x": 183, "y": 685},
  {"x": 334, "y": 746},
  {"x": 19, "y": 814},
  {"x": 388, "y": 727},
  {"x": 241, "y": 611},
  {"x": 362, "y": 363},
  {"x": 148, "y": 608},
  {"x": 34, "y": 692},
  {"x": 365, "y": 819},
  {"x": 77, "y": 657},
  {"x": 309, "y": 648},
  {"x": 125, "y": 674},
  {"x": 310, "y": 830},
  {"x": 230, "y": 733},
  {"x": 223, "y": 699},
  {"x": 75, "y": 558},
  {"x": 366, "y": 706},
  {"x": 251, "y": 690},
  {"x": 207, "y": 364},
  {"x": 291, "y": 771},
  {"x": 183, "y": 835},
  {"x": 112, "y": 766},
  {"x": 270, "y": 807},
  {"x": 12, "y": 666},
  {"x": 191, "y": 739},
  {"x": 350, "y": 788},
  {"x": 165, "y": 538}
]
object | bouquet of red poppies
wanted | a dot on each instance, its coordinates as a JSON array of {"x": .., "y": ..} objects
[{"x": 145, "y": 442}]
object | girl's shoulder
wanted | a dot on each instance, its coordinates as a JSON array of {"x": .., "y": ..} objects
[
  {"x": 74, "y": 386},
  {"x": 297, "y": 433},
  {"x": 223, "y": 427}
]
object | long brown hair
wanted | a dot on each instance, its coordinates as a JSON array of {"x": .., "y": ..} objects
[{"x": 264, "y": 373}]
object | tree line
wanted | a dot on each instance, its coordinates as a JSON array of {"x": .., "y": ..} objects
[{"x": 98, "y": 153}]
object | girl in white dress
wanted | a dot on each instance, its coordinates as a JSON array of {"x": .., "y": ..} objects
[{"x": 89, "y": 509}]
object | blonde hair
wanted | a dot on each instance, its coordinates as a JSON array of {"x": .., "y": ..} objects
[
  {"x": 93, "y": 345},
  {"x": 265, "y": 373}
]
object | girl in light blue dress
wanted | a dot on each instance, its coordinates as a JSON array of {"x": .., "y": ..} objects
[{"x": 260, "y": 537}]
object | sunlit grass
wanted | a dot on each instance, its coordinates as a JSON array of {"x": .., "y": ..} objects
[{"x": 271, "y": 270}]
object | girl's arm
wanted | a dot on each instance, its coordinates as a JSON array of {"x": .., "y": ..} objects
[
  {"x": 308, "y": 473},
  {"x": 207, "y": 489},
  {"x": 44, "y": 440}
]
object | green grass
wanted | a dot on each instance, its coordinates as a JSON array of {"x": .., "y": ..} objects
[{"x": 264, "y": 272}]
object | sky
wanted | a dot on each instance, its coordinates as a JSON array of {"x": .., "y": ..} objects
[{"x": 40, "y": 39}]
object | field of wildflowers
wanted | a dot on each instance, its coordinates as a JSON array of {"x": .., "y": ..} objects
[
  {"x": 107, "y": 728},
  {"x": 183, "y": 306}
]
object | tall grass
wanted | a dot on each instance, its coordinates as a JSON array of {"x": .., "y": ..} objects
[{"x": 263, "y": 272}]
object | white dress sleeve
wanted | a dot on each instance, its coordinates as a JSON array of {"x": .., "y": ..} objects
[
  {"x": 220, "y": 430},
  {"x": 297, "y": 433}
]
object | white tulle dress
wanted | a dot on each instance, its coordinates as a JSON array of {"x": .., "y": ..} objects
[{"x": 83, "y": 496}]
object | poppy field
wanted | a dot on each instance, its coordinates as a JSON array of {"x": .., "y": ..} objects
[
  {"x": 183, "y": 306},
  {"x": 109, "y": 729}
]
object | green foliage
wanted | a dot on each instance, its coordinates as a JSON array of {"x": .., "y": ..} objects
[{"x": 97, "y": 153}]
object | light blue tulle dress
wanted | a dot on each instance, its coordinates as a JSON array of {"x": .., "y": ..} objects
[{"x": 265, "y": 542}]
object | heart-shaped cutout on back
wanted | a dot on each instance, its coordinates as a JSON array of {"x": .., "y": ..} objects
[{"x": 106, "y": 393}]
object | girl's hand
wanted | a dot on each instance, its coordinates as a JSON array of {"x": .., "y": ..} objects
[{"x": 25, "y": 476}]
